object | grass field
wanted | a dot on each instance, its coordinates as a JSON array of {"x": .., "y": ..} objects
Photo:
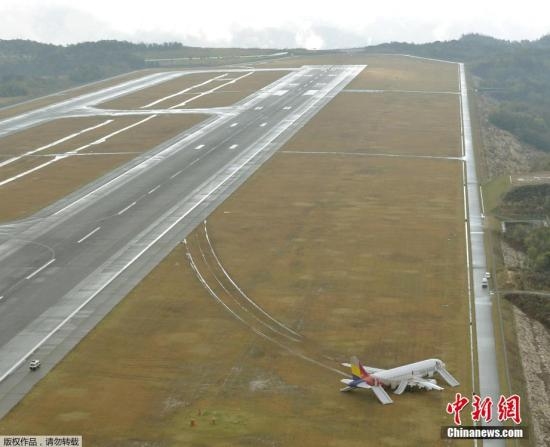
[
  {"x": 145, "y": 96},
  {"x": 388, "y": 123},
  {"x": 224, "y": 96},
  {"x": 386, "y": 72},
  {"x": 232, "y": 93},
  {"x": 35, "y": 137},
  {"x": 357, "y": 254}
]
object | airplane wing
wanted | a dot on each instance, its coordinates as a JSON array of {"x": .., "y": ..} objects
[
  {"x": 446, "y": 376},
  {"x": 382, "y": 396}
]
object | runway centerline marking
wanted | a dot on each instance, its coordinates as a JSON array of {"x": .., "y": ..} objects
[
  {"x": 88, "y": 235},
  {"x": 154, "y": 189},
  {"x": 37, "y": 271},
  {"x": 122, "y": 211},
  {"x": 233, "y": 146},
  {"x": 200, "y": 146},
  {"x": 234, "y": 124},
  {"x": 263, "y": 124},
  {"x": 176, "y": 174}
]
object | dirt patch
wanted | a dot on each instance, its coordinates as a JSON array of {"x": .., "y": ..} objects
[
  {"x": 534, "y": 178},
  {"x": 534, "y": 339},
  {"x": 388, "y": 123}
]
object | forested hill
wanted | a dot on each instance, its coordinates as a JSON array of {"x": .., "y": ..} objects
[
  {"x": 30, "y": 68},
  {"x": 27, "y": 67},
  {"x": 515, "y": 73}
]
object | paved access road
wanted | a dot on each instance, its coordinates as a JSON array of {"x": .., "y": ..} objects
[
  {"x": 489, "y": 384},
  {"x": 65, "y": 268}
]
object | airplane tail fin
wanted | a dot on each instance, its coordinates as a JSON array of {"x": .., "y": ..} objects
[{"x": 357, "y": 369}]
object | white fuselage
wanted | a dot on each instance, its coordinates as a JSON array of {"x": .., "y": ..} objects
[{"x": 413, "y": 370}]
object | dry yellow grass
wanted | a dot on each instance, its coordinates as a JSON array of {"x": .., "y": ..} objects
[
  {"x": 389, "y": 123},
  {"x": 328, "y": 254},
  {"x": 232, "y": 93},
  {"x": 361, "y": 255},
  {"x": 386, "y": 71},
  {"x": 148, "y": 134},
  {"x": 33, "y": 192},
  {"x": 226, "y": 95},
  {"x": 148, "y": 95},
  {"x": 35, "y": 137}
]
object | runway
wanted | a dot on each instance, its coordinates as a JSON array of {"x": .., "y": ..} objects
[{"x": 64, "y": 269}]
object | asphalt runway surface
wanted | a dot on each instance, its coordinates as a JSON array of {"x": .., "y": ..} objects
[{"x": 65, "y": 268}]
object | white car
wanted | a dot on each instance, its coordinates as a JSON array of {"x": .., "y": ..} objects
[{"x": 34, "y": 365}]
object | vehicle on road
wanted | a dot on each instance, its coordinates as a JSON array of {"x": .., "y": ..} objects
[
  {"x": 34, "y": 365},
  {"x": 484, "y": 283},
  {"x": 411, "y": 375}
]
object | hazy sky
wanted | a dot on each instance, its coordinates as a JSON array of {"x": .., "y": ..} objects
[{"x": 271, "y": 23}]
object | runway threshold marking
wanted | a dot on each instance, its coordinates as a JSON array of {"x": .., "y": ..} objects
[
  {"x": 122, "y": 211},
  {"x": 38, "y": 270},
  {"x": 88, "y": 235}
]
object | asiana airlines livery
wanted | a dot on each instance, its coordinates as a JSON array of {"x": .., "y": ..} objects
[{"x": 417, "y": 374}]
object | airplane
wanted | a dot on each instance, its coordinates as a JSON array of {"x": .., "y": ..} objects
[{"x": 398, "y": 379}]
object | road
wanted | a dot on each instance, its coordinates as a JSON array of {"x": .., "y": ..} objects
[
  {"x": 489, "y": 384},
  {"x": 64, "y": 269}
]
